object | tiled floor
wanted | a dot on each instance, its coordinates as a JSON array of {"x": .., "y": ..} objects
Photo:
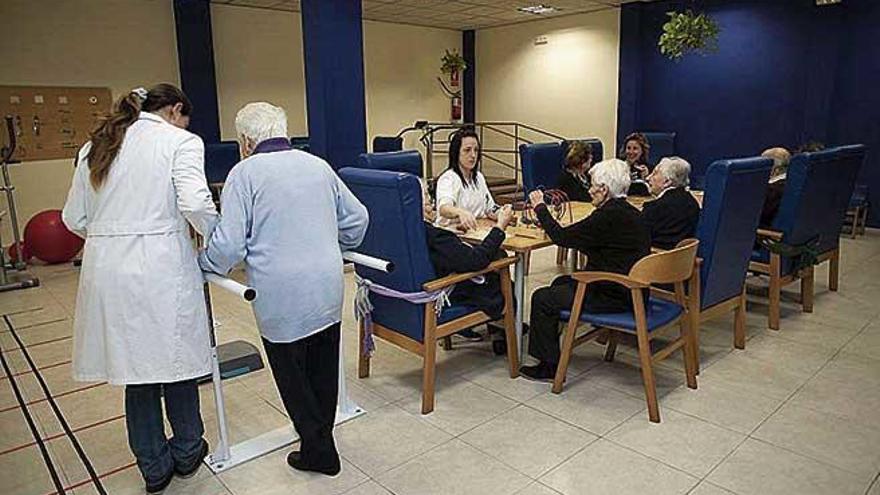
[{"x": 797, "y": 412}]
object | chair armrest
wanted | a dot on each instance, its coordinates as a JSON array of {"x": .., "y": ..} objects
[
  {"x": 591, "y": 277},
  {"x": 772, "y": 234},
  {"x": 455, "y": 278}
]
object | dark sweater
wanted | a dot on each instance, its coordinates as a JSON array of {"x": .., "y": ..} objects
[
  {"x": 574, "y": 188},
  {"x": 771, "y": 203},
  {"x": 614, "y": 237},
  {"x": 671, "y": 218},
  {"x": 449, "y": 255}
]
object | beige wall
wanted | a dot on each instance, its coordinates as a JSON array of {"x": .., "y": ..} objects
[
  {"x": 568, "y": 86},
  {"x": 117, "y": 43},
  {"x": 401, "y": 65},
  {"x": 258, "y": 56}
]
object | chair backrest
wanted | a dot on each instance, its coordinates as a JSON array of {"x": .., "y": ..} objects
[
  {"x": 732, "y": 201},
  {"x": 849, "y": 163},
  {"x": 382, "y": 144},
  {"x": 541, "y": 165},
  {"x": 397, "y": 234},
  {"x": 666, "y": 267},
  {"x": 409, "y": 161},
  {"x": 818, "y": 187},
  {"x": 662, "y": 144},
  {"x": 595, "y": 145},
  {"x": 219, "y": 160},
  {"x": 301, "y": 143}
]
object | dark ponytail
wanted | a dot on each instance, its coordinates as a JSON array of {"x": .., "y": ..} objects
[{"x": 107, "y": 136}]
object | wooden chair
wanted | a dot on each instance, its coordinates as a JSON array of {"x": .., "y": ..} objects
[
  {"x": 669, "y": 267},
  {"x": 397, "y": 233}
]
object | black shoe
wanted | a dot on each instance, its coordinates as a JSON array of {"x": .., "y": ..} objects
[
  {"x": 541, "y": 372},
  {"x": 190, "y": 471},
  {"x": 470, "y": 335},
  {"x": 294, "y": 460},
  {"x": 161, "y": 485}
]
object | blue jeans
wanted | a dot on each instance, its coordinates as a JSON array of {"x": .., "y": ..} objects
[{"x": 156, "y": 455}]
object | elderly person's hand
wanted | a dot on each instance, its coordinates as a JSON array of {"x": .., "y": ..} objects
[
  {"x": 536, "y": 198},
  {"x": 505, "y": 215},
  {"x": 643, "y": 170},
  {"x": 466, "y": 219}
]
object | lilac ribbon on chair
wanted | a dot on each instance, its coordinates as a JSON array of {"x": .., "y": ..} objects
[{"x": 363, "y": 308}]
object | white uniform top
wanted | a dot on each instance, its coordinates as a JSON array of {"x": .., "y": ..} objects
[
  {"x": 474, "y": 198},
  {"x": 140, "y": 309}
]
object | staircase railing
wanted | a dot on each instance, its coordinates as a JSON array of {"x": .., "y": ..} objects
[{"x": 500, "y": 142}]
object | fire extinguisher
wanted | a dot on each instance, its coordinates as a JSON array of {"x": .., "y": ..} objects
[{"x": 456, "y": 107}]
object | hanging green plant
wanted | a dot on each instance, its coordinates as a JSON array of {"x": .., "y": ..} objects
[
  {"x": 452, "y": 62},
  {"x": 687, "y": 32}
]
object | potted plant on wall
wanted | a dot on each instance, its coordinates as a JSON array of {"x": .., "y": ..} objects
[
  {"x": 688, "y": 32},
  {"x": 452, "y": 63}
]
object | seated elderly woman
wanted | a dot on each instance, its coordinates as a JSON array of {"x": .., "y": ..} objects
[
  {"x": 449, "y": 254},
  {"x": 613, "y": 237},
  {"x": 776, "y": 186},
  {"x": 674, "y": 215},
  {"x": 462, "y": 192},
  {"x": 574, "y": 180}
]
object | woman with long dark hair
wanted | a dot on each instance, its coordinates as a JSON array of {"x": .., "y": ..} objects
[
  {"x": 140, "y": 312},
  {"x": 635, "y": 152},
  {"x": 462, "y": 193}
]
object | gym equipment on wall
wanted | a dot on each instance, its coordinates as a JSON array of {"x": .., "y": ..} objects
[{"x": 13, "y": 274}]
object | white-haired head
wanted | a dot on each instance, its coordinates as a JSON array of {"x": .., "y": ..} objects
[
  {"x": 676, "y": 170},
  {"x": 612, "y": 174},
  {"x": 259, "y": 121}
]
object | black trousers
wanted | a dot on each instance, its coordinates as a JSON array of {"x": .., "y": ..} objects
[
  {"x": 547, "y": 302},
  {"x": 306, "y": 373}
]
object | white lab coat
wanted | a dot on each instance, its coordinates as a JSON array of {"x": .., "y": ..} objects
[{"x": 140, "y": 309}]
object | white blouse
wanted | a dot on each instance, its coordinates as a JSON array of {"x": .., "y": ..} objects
[{"x": 475, "y": 198}]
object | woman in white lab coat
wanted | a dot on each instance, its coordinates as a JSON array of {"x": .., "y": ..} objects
[{"x": 140, "y": 310}]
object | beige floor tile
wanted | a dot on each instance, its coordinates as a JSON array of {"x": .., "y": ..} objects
[
  {"x": 50, "y": 312},
  {"x": 755, "y": 376},
  {"x": 270, "y": 475},
  {"x": 604, "y": 467},
  {"x": 22, "y": 301},
  {"x": 586, "y": 403},
  {"x": 875, "y": 488},
  {"x": 368, "y": 488},
  {"x": 624, "y": 375},
  {"x": 106, "y": 447},
  {"x": 826, "y": 438},
  {"x": 848, "y": 387},
  {"x": 537, "y": 489},
  {"x": 83, "y": 408},
  {"x": 722, "y": 404},
  {"x": 496, "y": 377},
  {"x": 16, "y": 431},
  {"x": 24, "y": 473},
  {"x": 866, "y": 343},
  {"x": 762, "y": 469},
  {"x": 453, "y": 468},
  {"x": 459, "y": 406},
  {"x": 706, "y": 488},
  {"x": 28, "y": 387},
  {"x": 385, "y": 438},
  {"x": 528, "y": 440},
  {"x": 247, "y": 415},
  {"x": 45, "y": 332},
  {"x": 129, "y": 482},
  {"x": 685, "y": 442},
  {"x": 795, "y": 356}
]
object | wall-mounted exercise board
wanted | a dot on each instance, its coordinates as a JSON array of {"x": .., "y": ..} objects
[{"x": 51, "y": 122}]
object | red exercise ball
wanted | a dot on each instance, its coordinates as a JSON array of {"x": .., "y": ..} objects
[
  {"x": 12, "y": 252},
  {"x": 47, "y": 238}
]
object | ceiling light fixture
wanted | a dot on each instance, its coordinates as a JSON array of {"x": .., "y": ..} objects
[{"x": 538, "y": 9}]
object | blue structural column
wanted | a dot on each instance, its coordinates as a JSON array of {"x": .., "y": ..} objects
[
  {"x": 334, "y": 67},
  {"x": 195, "y": 53},
  {"x": 469, "y": 51}
]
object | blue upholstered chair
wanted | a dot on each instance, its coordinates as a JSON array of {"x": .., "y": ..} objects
[
  {"x": 595, "y": 145},
  {"x": 675, "y": 266},
  {"x": 818, "y": 188},
  {"x": 857, "y": 211},
  {"x": 219, "y": 160},
  {"x": 732, "y": 201},
  {"x": 301, "y": 143},
  {"x": 409, "y": 161},
  {"x": 662, "y": 144},
  {"x": 397, "y": 233},
  {"x": 383, "y": 144},
  {"x": 541, "y": 164}
]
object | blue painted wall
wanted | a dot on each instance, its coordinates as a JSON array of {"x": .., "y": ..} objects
[
  {"x": 334, "y": 68},
  {"x": 786, "y": 72},
  {"x": 195, "y": 53}
]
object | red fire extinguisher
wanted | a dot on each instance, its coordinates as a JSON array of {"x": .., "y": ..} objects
[{"x": 456, "y": 107}]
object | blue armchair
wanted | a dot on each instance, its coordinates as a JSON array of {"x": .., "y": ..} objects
[
  {"x": 409, "y": 161},
  {"x": 397, "y": 233},
  {"x": 219, "y": 160},
  {"x": 383, "y": 144},
  {"x": 662, "y": 144},
  {"x": 818, "y": 189},
  {"x": 541, "y": 165}
]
